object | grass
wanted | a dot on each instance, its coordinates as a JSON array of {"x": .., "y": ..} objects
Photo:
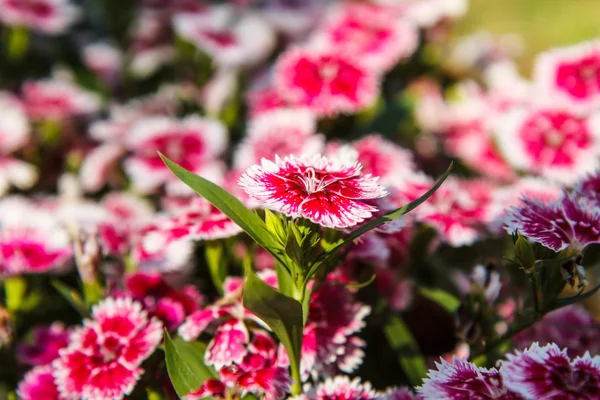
[{"x": 542, "y": 24}]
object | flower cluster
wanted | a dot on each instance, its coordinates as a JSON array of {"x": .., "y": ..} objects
[{"x": 207, "y": 199}]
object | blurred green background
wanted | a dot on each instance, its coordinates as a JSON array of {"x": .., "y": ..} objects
[{"x": 542, "y": 24}]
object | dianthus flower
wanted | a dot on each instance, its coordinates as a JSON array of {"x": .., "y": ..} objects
[
  {"x": 548, "y": 373},
  {"x": 550, "y": 141},
  {"x": 231, "y": 39},
  {"x": 331, "y": 339},
  {"x": 570, "y": 221},
  {"x": 48, "y": 16},
  {"x": 53, "y": 99},
  {"x": 32, "y": 240},
  {"x": 461, "y": 379},
  {"x": 571, "y": 73},
  {"x": 326, "y": 81},
  {"x": 341, "y": 388},
  {"x": 39, "y": 384},
  {"x": 573, "y": 328},
  {"x": 375, "y": 32},
  {"x": 330, "y": 193},
  {"x": 46, "y": 343},
  {"x": 194, "y": 143},
  {"x": 278, "y": 133},
  {"x": 161, "y": 300},
  {"x": 104, "y": 355}
]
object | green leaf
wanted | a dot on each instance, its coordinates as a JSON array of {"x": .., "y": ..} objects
[
  {"x": 15, "y": 288},
  {"x": 185, "y": 364},
  {"x": 377, "y": 222},
  {"x": 524, "y": 253},
  {"x": 361, "y": 284},
  {"x": 229, "y": 205},
  {"x": 443, "y": 298},
  {"x": 92, "y": 292},
  {"x": 404, "y": 345},
  {"x": 559, "y": 303},
  {"x": 72, "y": 297},
  {"x": 281, "y": 313},
  {"x": 216, "y": 263}
]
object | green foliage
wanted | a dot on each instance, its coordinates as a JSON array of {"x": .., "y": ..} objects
[
  {"x": 443, "y": 298},
  {"x": 524, "y": 254},
  {"x": 281, "y": 313},
  {"x": 73, "y": 297},
  {"x": 185, "y": 364},
  {"x": 407, "y": 351},
  {"x": 251, "y": 223},
  {"x": 217, "y": 266}
]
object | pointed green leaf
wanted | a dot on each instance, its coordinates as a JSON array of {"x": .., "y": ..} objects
[
  {"x": 443, "y": 298},
  {"x": 566, "y": 301},
  {"x": 377, "y": 222},
  {"x": 229, "y": 205},
  {"x": 72, "y": 297},
  {"x": 217, "y": 267},
  {"x": 281, "y": 313},
  {"x": 404, "y": 345},
  {"x": 185, "y": 364}
]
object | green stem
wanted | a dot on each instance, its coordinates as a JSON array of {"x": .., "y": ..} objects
[
  {"x": 534, "y": 292},
  {"x": 17, "y": 43}
]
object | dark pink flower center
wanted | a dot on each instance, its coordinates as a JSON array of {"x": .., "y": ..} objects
[
  {"x": 582, "y": 78},
  {"x": 184, "y": 148},
  {"x": 553, "y": 137}
]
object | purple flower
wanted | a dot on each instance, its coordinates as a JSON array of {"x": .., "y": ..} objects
[
  {"x": 571, "y": 221},
  {"x": 548, "y": 373},
  {"x": 461, "y": 379}
]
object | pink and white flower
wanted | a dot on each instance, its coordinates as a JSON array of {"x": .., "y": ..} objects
[
  {"x": 104, "y": 355},
  {"x": 278, "y": 133},
  {"x": 105, "y": 59},
  {"x": 161, "y": 300},
  {"x": 547, "y": 372},
  {"x": 552, "y": 142},
  {"x": 14, "y": 125},
  {"x": 461, "y": 379},
  {"x": 230, "y": 37},
  {"x": 376, "y": 32},
  {"x": 32, "y": 240},
  {"x": 45, "y": 345},
  {"x": 570, "y": 221},
  {"x": 53, "y": 99},
  {"x": 572, "y": 328},
  {"x": 194, "y": 143},
  {"x": 341, "y": 387},
  {"x": 329, "y": 192},
  {"x": 326, "y": 81},
  {"x": 458, "y": 210},
  {"x": 151, "y": 44},
  {"x": 571, "y": 73},
  {"x": 38, "y": 384},
  {"x": 48, "y": 16}
]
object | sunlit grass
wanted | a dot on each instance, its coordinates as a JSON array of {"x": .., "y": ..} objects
[{"x": 541, "y": 23}]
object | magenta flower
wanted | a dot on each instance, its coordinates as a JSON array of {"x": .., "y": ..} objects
[
  {"x": 398, "y": 393},
  {"x": 54, "y": 99},
  {"x": 48, "y": 16},
  {"x": 326, "y": 81},
  {"x": 573, "y": 73},
  {"x": 38, "y": 384},
  {"x": 104, "y": 355},
  {"x": 341, "y": 388},
  {"x": 461, "y": 379},
  {"x": 32, "y": 240},
  {"x": 278, "y": 133},
  {"x": 169, "y": 305},
  {"x": 376, "y": 32},
  {"x": 553, "y": 142},
  {"x": 548, "y": 373},
  {"x": 231, "y": 39},
  {"x": 46, "y": 343},
  {"x": 194, "y": 143},
  {"x": 570, "y": 221},
  {"x": 573, "y": 328},
  {"x": 330, "y": 193}
]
